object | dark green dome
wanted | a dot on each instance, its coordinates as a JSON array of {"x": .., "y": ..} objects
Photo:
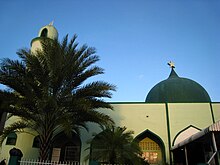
[{"x": 176, "y": 89}]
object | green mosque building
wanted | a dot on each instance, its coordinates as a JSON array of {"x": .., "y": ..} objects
[{"x": 175, "y": 110}]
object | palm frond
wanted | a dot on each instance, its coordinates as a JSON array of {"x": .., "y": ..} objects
[
  {"x": 18, "y": 126},
  {"x": 95, "y": 89}
]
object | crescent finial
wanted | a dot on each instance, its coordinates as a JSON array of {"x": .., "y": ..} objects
[
  {"x": 51, "y": 23},
  {"x": 171, "y": 64}
]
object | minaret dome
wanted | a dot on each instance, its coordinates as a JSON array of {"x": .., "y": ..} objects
[{"x": 46, "y": 32}]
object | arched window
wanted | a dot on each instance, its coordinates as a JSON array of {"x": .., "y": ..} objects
[
  {"x": 36, "y": 142},
  {"x": 152, "y": 147},
  {"x": 151, "y": 150},
  {"x": 44, "y": 32},
  {"x": 11, "y": 139}
]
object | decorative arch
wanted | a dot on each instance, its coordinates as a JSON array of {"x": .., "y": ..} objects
[
  {"x": 185, "y": 133},
  {"x": 66, "y": 148},
  {"x": 155, "y": 140}
]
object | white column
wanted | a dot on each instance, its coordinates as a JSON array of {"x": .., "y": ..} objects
[{"x": 186, "y": 157}]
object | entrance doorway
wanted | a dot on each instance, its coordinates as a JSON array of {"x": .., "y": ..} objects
[
  {"x": 152, "y": 147},
  {"x": 66, "y": 148},
  {"x": 151, "y": 151}
]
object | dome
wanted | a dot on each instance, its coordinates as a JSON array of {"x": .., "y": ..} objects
[
  {"x": 48, "y": 31},
  {"x": 176, "y": 89}
]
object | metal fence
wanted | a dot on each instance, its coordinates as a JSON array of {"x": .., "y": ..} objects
[{"x": 37, "y": 162}]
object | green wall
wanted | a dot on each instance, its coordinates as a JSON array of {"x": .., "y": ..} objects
[{"x": 139, "y": 117}]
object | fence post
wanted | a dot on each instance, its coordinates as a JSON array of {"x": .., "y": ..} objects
[{"x": 15, "y": 156}]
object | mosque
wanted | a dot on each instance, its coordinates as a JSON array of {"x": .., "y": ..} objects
[{"x": 174, "y": 110}]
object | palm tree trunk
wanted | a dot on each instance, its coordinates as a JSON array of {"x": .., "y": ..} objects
[
  {"x": 46, "y": 140},
  {"x": 112, "y": 158},
  {"x": 45, "y": 147}
]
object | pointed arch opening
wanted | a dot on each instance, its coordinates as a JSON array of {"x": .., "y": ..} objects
[
  {"x": 152, "y": 147},
  {"x": 36, "y": 142},
  {"x": 185, "y": 133},
  {"x": 93, "y": 159},
  {"x": 11, "y": 139},
  {"x": 66, "y": 148},
  {"x": 44, "y": 32}
]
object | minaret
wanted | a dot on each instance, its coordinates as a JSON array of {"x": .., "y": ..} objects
[{"x": 46, "y": 32}]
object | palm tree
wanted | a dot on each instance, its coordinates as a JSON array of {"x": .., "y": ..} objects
[
  {"x": 115, "y": 145},
  {"x": 49, "y": 91}
]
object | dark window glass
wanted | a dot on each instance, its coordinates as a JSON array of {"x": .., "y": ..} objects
[
  {"x": 44, "y": 32},
  {"x": 11, "y": 139},
  {"x": 36, "y": 142}
]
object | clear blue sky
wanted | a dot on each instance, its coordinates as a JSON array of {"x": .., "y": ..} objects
[{"x": 134, "y": 38}]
